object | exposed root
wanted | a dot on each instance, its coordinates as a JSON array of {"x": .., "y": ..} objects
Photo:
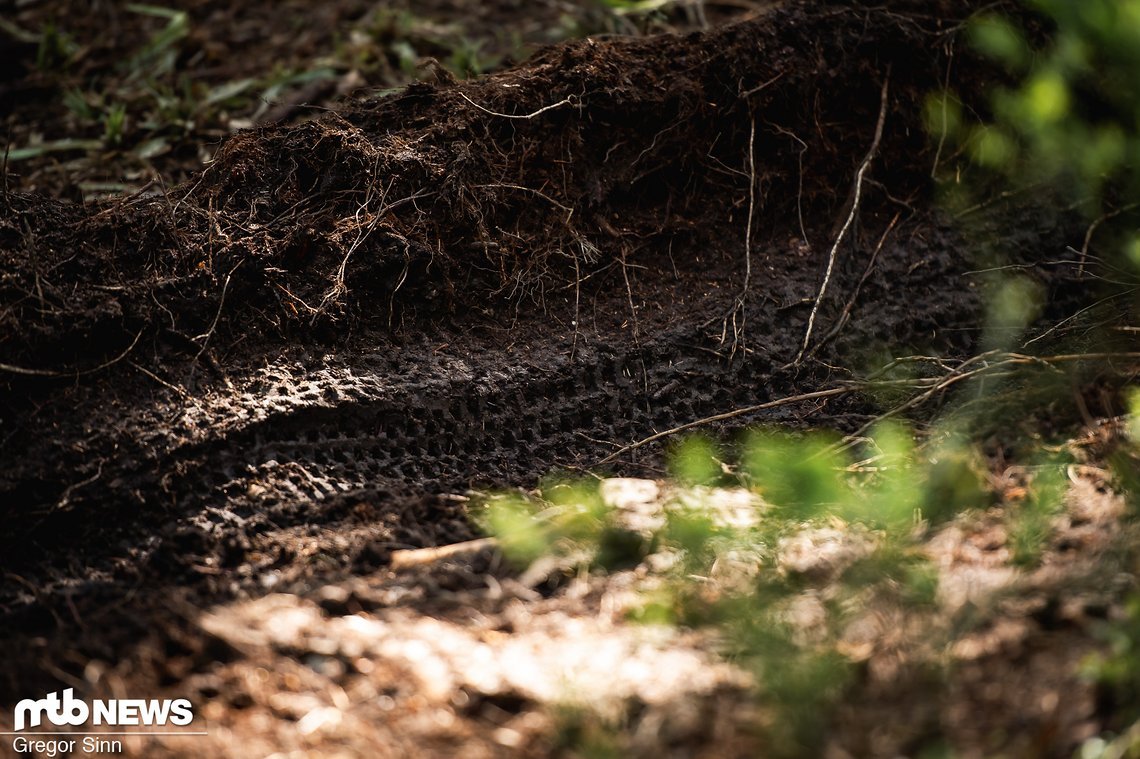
[
  {"x": 1092, "y": 230},
  {"x": 845, "y": 314},
  {"x": 204, "y": 338},
  {"x": 943, "y": 132},
  {"x": 800, "y": 181},
  {"x": 565, "y": 101},
  {"x": 857, "y": 197},
  {"x": 80, "y": 373},
  {"x": 738, "y": 310}
]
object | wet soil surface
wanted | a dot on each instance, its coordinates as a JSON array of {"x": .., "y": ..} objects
[{"x": 268, "y": 378}]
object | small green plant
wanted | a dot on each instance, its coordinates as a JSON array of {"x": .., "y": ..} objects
[
  {"x": 114, "y": 123},
  {"x": 157, "y": 58},
  {"x": 77, "y": 103},
  {"x": 467, "y": 58},
  {"x": 570, "y": 523},
  {"x": 749, "y": 573},
  {"x": 56, "y": 48},
  {"x": 1031, "y": 523},
  {"x": 1060, "y": 132}
]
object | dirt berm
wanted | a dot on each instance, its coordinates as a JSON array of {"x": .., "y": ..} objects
[{"x": 289, "y": 362}]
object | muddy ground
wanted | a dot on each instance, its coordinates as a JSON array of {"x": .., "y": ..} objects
[{"x": 231, "y": 395}]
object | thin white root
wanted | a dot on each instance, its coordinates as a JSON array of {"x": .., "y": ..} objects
[{"x": 858, "y": 197}]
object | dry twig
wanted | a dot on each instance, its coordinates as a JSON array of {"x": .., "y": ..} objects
[
  {"x": 999, "y": 366},
  {"x": 729, "y": 415},
  {"x": 1092, "y": 230},
  {"x": 417, "y": 557}
]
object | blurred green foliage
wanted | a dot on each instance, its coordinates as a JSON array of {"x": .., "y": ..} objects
[
  {"x": 1066, "y": 122},
  {"x": 732, "y": 571},
  {"x": 697, "y": 461},
  {"x": 1067, "y": 118},
  {"x": 1031, "y": 522},
  {"x": 1066, "y": 126},
  {"x": 55, "y": 49},
  {"x": 1036, "y": 127},
  {"x": 1116, "y": 669}
]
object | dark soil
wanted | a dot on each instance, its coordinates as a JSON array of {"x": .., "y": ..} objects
[{"x": 274, "y": 374}]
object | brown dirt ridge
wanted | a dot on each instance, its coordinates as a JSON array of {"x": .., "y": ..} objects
[
  {"x": 270, "y": 376},
  {"x": 424, "y": 216}
]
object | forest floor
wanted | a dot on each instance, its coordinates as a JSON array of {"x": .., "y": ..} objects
[{"x": 286, "y": 289}]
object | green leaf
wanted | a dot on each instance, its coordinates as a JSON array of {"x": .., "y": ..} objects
[
  {"x": 523, "y": 538},
  {"x": 1047, "y": 98},
  {"x": 228, "y": 91},
  {"x": 696, "y": 461},
  {"x": 800, "y": 476},
  {"x": 151, "y": 148},
  {"x": 58, "y": 146},
  {"x": 996, "y": 37},
  {"x": 992, "y": 147}
]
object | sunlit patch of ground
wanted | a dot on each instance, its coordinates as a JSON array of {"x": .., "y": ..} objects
[{"x": 454, "y": 654}]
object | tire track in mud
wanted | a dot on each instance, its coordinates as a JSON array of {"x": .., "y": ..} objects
[
  {"x": 236, "y": 472},
  {"x": 460, "y": 426},
  {"x": 288, "y": 437}
]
